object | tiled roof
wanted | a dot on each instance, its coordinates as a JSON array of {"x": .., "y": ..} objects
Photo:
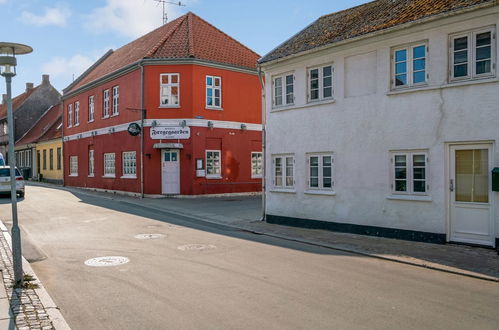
[
  {"x": 188, "y": 36},
  {"x": 16, "y": 102},
  {"x": 364, "y": 19},
  {"x": 45, "y": 128}
]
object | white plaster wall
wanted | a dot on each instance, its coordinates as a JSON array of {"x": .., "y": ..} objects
[{"x": 361, "y": 126}]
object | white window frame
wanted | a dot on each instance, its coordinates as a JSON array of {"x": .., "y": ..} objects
[
  {"x": 129, "y": 164},
  {"x": 169, "y": 86},
  {"x": 91, "y": 163},
  {"x": 320, "y": 173},
  {"x": 410, "y": 59},
  {"x": 409, "y": 157},
  {"x": 91, "y": 108},
  {"x": 77, "y": 114},
  {"x": 73, "y": 166},
  {"x": 287, "y": 177},
  {"x": 70, "y": 115},
  {"x": 105, "y": 103},
  {"x": 471, "y": 54},
  {"x": 109, "y": 160},
  {"x": 320, "y": 83},
  {"x": 287, "y": 99},
  {"x": 213, "y": 88},
  {"x": 116, "y": 101},
  {"x": 210, "y": 164},
  {"x": 256, "y": 164}
]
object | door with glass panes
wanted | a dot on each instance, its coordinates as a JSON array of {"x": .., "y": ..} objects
[
  {"x": 471, "y": 203},
  {"x": 170, "y": 171}
]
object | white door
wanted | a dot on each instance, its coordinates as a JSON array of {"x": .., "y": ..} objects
[
  {"x": 170, "y": 171},
  {"x": 471, "y": 204}
]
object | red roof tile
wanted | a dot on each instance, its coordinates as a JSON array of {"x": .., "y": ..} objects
[
  {"x": 364, "y": 19},
  {"x": 16, "y": 102},
  {"x": 46, "y": 128},
  {"x": 188, "y": 36}
]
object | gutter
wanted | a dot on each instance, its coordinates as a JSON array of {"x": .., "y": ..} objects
[
  {"x": 142, "y": 117},
  {"x": 375, "y": 33},
  {"x": 264, "y": 158}
]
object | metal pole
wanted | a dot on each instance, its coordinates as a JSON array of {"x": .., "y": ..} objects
[{"x": 16, "y": 233}]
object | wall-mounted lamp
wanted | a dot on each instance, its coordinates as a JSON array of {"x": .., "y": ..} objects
[
  {"x": 210, "y": 124},
  {"x": 183, "y": 123},
  {"x": 154, "y": 123}
]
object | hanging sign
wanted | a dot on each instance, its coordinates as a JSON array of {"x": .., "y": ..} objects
[
  {"x": 165, "y": 133},
  {"x": 134, "y": 129}
]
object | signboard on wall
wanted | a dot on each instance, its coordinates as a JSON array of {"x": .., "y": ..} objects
[{"x": 166, "y": 133}]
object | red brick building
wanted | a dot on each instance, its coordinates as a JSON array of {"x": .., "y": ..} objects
[{"x": 193, "y": 93}]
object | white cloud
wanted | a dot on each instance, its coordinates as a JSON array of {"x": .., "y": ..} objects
[
  {"x": 130, "y": 18},
  {"x": 68, "y": 68},
  {"x": 57, "y": 15}
]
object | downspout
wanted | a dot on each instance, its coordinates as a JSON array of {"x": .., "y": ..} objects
[
  {"x": 142, "y": 117},
  {"x": 262, "y": 83}
]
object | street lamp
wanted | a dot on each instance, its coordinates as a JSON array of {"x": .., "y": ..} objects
[{"x": 8, "y": 62}]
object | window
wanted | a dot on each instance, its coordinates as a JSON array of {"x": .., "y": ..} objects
[
  {"x": 105, "y": 104},
  {"x": 169, "y": 89},
  {"x": 51, "y": 162},
  {"x": 213, "y": 164},
  {"x": 109, "y": 168},
  {"x": 283, "y": 90},
  {"x": 409, "y": 65},
  {"x": 116, "y": 100},
  {"x": 91, "y": 108},
  {"x": 91, "y": 163},
  {"x": 129, "y": 159},
  {"x": 320, "y": 83},
  {"x": 284, "y": 171},
  {"x": 256, "y": 164},
  {"x": 70, "y": 115},
  {"x": 472, "y": 54},
  {"x": 320, "y": 171},
  {"x": 410, "y": 173},
  {"x": 59, "y": 158},
  {"x": 73, "y": 166},
  {"x": 44, "y": 159},
  {"x": 213, "y": 92},
  {"x": 77, "y": 114}
]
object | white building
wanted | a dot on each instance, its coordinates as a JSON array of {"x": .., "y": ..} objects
[{"x": 383, "y": 119}]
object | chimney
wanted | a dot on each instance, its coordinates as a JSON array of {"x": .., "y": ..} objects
[
  {"x": 45, "y": 79},
  {"x": 4, "y": 98},
  {"x": 29, "y": 86}
]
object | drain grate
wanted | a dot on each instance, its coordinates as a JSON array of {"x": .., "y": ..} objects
[
  {"x": 149, "y": 236},
  {"x": 196, "y": 247},
  {"x": 107, "y": 261}
]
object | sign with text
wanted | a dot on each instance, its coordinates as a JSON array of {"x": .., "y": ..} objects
[{"x": 170, "y": 133}]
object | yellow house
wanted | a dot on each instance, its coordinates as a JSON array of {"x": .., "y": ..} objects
[{"x": 45, "y": 139}]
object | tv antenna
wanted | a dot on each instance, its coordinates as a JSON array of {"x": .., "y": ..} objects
[{"x": 164, "y": 2}]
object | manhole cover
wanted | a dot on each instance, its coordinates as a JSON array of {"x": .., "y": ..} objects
[
  {"x": 149, "y": 236},
  {"x": 107, "y": 261},
  {"x": 194, "y": 247}
]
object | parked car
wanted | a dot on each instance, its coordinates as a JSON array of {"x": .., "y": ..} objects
[
  {"x": 5, "y": 181},
  {"x": 2, "y": 160}
]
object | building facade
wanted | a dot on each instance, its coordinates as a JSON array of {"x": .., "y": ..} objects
[
  {"x": 387, "y": 126},
  {"x": 175, "y": 112}
]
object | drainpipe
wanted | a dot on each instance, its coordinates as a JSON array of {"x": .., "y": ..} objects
[
  {"x": 262, "y": 83},
  {"x": 142, "y": 117}
]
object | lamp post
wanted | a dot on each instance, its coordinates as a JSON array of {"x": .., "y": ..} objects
[{"x": 8, "y": 62}]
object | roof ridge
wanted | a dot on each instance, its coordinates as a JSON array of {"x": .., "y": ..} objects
[
  {"x": 179, "y": 20},
  {"x": 190, "y": 34},
  {"x": 233, "y": 39}
]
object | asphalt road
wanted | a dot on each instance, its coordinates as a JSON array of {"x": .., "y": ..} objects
[{"x": 205, "y": 276}]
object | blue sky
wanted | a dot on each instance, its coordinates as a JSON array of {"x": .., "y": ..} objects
[{"x": 68, "y": 36}]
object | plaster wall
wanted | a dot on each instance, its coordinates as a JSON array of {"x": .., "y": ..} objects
[{"x": 367, "y": 120}]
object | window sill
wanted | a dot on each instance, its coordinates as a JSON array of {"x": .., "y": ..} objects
[
  {"x": 256, "y": 176},
  {"x": 305, "y": 106},
  {"x": 76, "y": 125},
  {"x": 169, "y": 106},
  {"x": 214, "y": 108},
  {"x": 115, "y": 115},
  {"x": 320, "y": 192},
  {"x": 450, "y": 84},
  {"x": 91, "y": 121},
  {"x": 105, "y": 117},
  {"x": 91, "y": 176},
  {"x": 416, "y": 198},
  {"x": 128, "y": 177},
  {"x": 73, "y": 175},
  {"x": 213, "y": 177},
  {"x": 283, "y": 190},
  {"x": 319, "y": 102},
  {"x": 109, "y": 176}
]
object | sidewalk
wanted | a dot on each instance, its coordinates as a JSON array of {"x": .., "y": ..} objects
[
  {"x": 244, "y": 213},
  {"x": 24, "y": 308}
]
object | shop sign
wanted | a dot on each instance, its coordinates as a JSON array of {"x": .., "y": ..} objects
[{"x": 170, "y": 133}]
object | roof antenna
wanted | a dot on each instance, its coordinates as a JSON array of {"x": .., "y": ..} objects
[{"x": 164, "y": 2}]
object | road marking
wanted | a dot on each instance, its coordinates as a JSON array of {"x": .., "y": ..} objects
[
  {"x": 149, "y": 236},
  {"x": 196, "y": 247}
]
